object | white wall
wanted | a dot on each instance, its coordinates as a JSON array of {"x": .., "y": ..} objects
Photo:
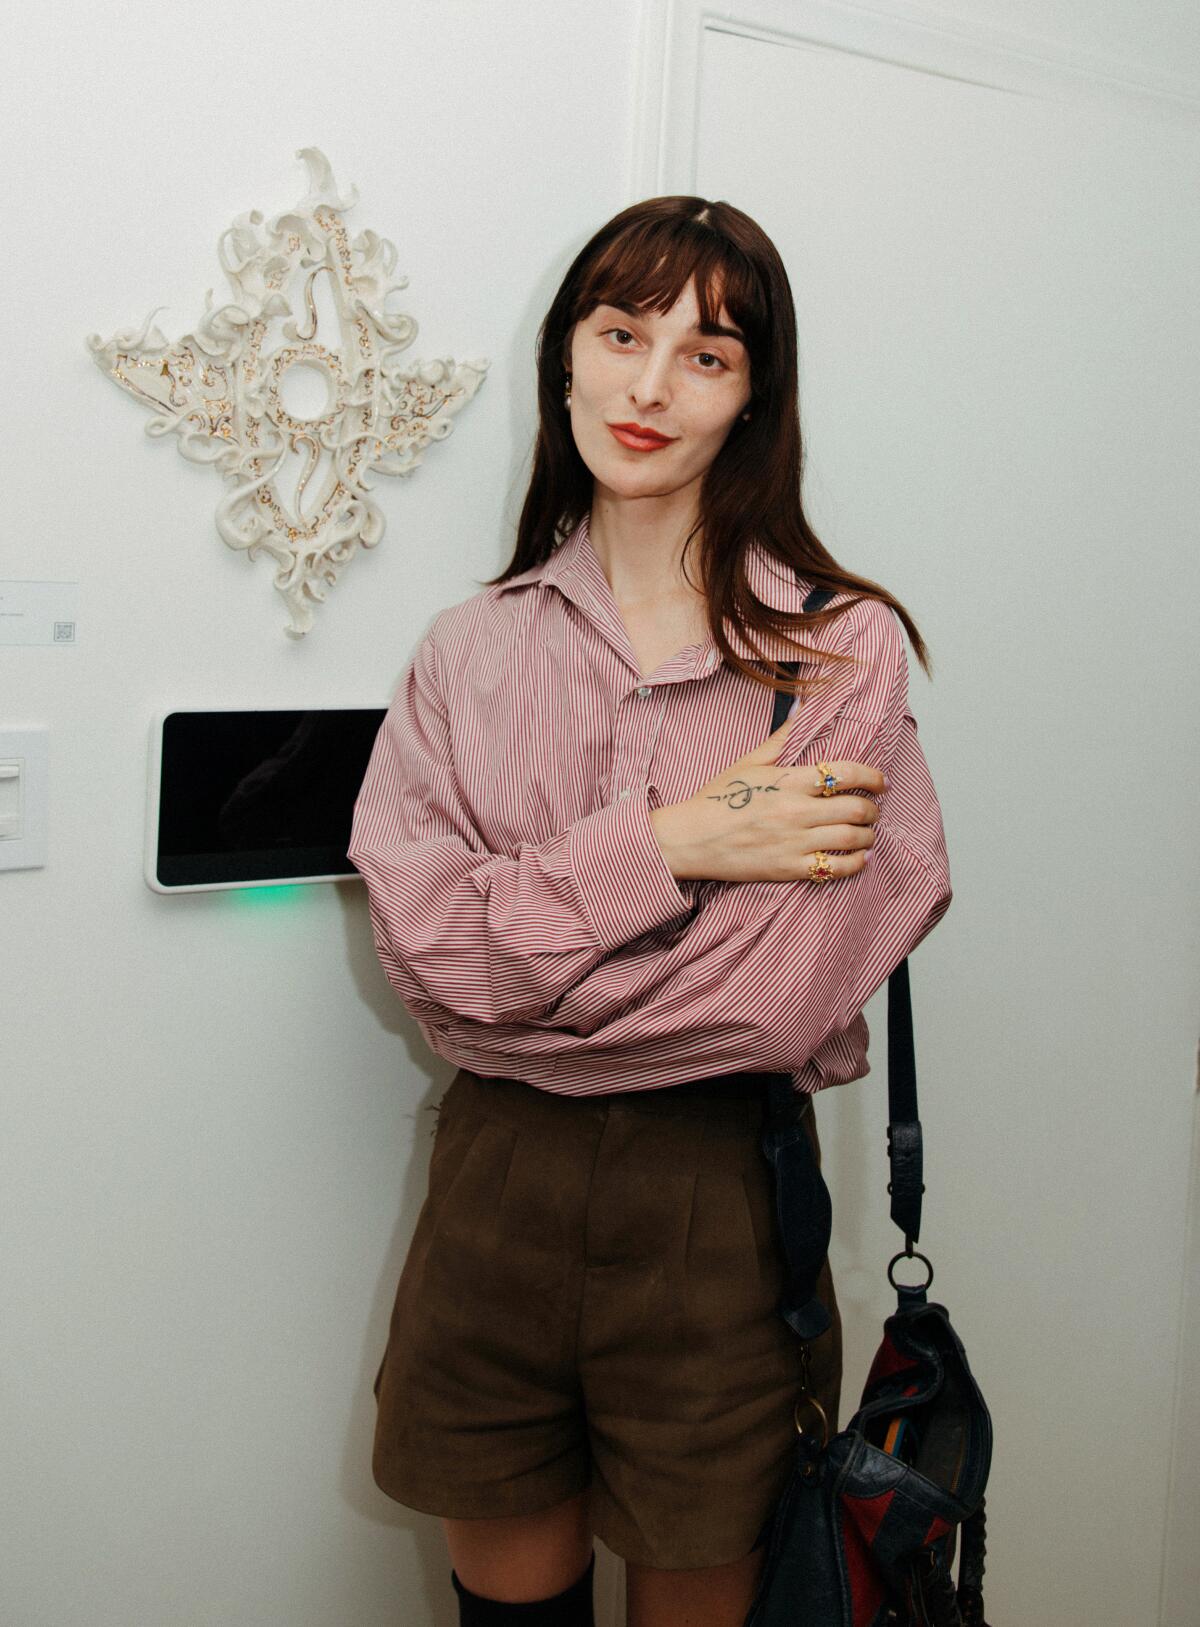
[{"x": 213, "y": 1148}]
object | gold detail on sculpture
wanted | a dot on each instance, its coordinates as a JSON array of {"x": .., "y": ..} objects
[{"x": 218, "y": 389}]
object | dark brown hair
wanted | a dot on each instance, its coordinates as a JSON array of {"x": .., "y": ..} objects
[{"x": 645, "y": 257}]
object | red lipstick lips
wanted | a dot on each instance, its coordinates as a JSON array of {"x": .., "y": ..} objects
[{"x": 640, "y": 439}]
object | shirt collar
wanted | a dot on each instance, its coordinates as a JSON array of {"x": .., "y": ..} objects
[{"x": 575, "y": 569}]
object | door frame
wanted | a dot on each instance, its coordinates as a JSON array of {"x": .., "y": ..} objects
[{"x": 923, "y": 37}]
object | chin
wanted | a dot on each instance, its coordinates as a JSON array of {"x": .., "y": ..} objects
[{"x": 634, "y": 483}]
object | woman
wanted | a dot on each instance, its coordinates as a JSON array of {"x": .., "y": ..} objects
[{"x": 617, "y": 908}]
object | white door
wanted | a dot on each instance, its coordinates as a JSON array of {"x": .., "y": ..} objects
[{"x": 1000, "y": 368}]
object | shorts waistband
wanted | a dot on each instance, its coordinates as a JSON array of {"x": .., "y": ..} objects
[
  {"x": 713, "y": 1087},
  {"x": 732, "y": 1093}
]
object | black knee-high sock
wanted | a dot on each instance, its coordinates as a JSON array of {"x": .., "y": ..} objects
[{"x": 570, "y": 1608}]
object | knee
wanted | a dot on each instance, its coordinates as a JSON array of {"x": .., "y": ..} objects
[{"x": 572, "y": 1607}]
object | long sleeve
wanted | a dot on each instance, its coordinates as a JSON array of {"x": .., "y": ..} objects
[
  {"x": 797, "y": 960},
  {"x": 464, "y": 932},
  {"x": 764, "y": 974}
]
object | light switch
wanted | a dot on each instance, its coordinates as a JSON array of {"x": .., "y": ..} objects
[
  {"x": 10, "y": 798},
  {"x": 24, "y": 797}
]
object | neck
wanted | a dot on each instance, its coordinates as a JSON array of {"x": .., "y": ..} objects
[{"x": 639, "y": 543}]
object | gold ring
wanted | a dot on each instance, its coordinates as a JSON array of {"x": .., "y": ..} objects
[
  {"x": 818, "y": 867},
  {"x": 828, "y": 782}
]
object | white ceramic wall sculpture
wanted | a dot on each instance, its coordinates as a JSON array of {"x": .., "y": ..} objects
[{"x": 219, "y": 389}]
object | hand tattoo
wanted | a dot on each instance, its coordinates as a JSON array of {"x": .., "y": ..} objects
[{"x": 739, "y": 793}]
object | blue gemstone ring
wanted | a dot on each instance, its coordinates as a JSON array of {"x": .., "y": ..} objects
[{"x": 828, "y": 782}]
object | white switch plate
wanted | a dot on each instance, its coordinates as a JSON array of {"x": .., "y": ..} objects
[{"x": 24, "y": 797}]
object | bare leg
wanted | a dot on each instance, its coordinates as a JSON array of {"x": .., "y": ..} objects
[
  {"x": 717, "y": 1596},
  {"x": 523, "y": 1557}
]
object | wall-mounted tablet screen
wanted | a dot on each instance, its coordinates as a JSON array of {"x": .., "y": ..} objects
[{"x": 239, "y": 799}]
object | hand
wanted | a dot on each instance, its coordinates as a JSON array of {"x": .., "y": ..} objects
[{"x": 757, "y": 822}]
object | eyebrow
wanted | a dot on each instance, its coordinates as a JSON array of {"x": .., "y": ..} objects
[{"x": 708, "y": 329}]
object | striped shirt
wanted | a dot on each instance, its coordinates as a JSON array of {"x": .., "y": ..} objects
[{"x": 520, "y": 904}]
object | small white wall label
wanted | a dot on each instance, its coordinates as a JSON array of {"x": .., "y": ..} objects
[{"x": 39, "y": 612}]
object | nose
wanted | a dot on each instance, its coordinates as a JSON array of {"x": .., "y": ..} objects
[{"x": 650, "y": 386}]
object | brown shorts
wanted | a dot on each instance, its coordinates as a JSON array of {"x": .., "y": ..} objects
[{"x": 590, "y": 1297}]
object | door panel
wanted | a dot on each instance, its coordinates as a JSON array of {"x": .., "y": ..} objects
[{"x": 999, "y": 352}]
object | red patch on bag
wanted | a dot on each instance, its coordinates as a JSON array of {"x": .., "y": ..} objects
[
  {"x": 938, "y": 1529},
  {"x": 862, "y": 1517},
  {"x": 888, "y": 1360}
]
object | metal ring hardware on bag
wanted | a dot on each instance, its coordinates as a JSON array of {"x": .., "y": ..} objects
[
  {"x": 808, "y": 1400},
  {"x": 813, "y": 1406},
  {"x": 910, "y": 1254}
]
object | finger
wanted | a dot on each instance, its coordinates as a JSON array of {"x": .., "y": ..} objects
[
  {"x": 838, "y": 838},
  {"x": 842, "y": 864},
  {"x": 860, "y": 776},
  {"x": 845, "y": 809}
]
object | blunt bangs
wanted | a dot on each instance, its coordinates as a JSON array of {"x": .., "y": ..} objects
[{"x": 650, "y": 264}]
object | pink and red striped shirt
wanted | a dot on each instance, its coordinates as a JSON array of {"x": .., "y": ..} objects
[{"x": 520, "y": 903}]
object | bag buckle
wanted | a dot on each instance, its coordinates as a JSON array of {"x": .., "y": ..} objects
[{"x": 808, "y": 1406}]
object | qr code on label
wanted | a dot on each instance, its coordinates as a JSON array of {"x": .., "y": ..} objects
[{"x": 64, "y": 632}]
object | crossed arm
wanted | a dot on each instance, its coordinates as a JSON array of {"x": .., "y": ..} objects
[{"x": 587, "y": 943}]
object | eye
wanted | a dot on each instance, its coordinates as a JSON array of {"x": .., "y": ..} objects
[{"x": 721, "y": 366}]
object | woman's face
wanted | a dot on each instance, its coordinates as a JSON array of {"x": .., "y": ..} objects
[{"x": 658, "y": 372}]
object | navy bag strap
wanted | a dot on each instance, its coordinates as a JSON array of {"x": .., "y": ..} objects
[{"x": 802, "y": 1199}]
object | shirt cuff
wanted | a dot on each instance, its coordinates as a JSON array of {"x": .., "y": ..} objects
[{"x": 622, "y": 873}]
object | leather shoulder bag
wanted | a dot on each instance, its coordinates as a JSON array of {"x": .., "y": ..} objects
[{"x": 866, "y": 1531}]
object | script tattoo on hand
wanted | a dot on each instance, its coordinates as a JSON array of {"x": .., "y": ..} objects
[{"x": 740, "y": 793}]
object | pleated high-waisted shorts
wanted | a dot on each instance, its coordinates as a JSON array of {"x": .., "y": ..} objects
[{"x": 590, "y": 1299}]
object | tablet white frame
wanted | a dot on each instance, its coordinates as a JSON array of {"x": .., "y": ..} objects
[{"x": 153, "y": 801}]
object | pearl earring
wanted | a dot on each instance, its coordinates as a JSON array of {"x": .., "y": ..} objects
[{"x": 567, "y": 394}]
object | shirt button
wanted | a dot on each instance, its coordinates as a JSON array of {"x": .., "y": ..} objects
[
  {"x": 621, "y": 794},
  {"x": 644, "y": 691}
]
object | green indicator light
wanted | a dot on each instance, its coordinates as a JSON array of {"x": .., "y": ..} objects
[{"x": 267, "y": 898}]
